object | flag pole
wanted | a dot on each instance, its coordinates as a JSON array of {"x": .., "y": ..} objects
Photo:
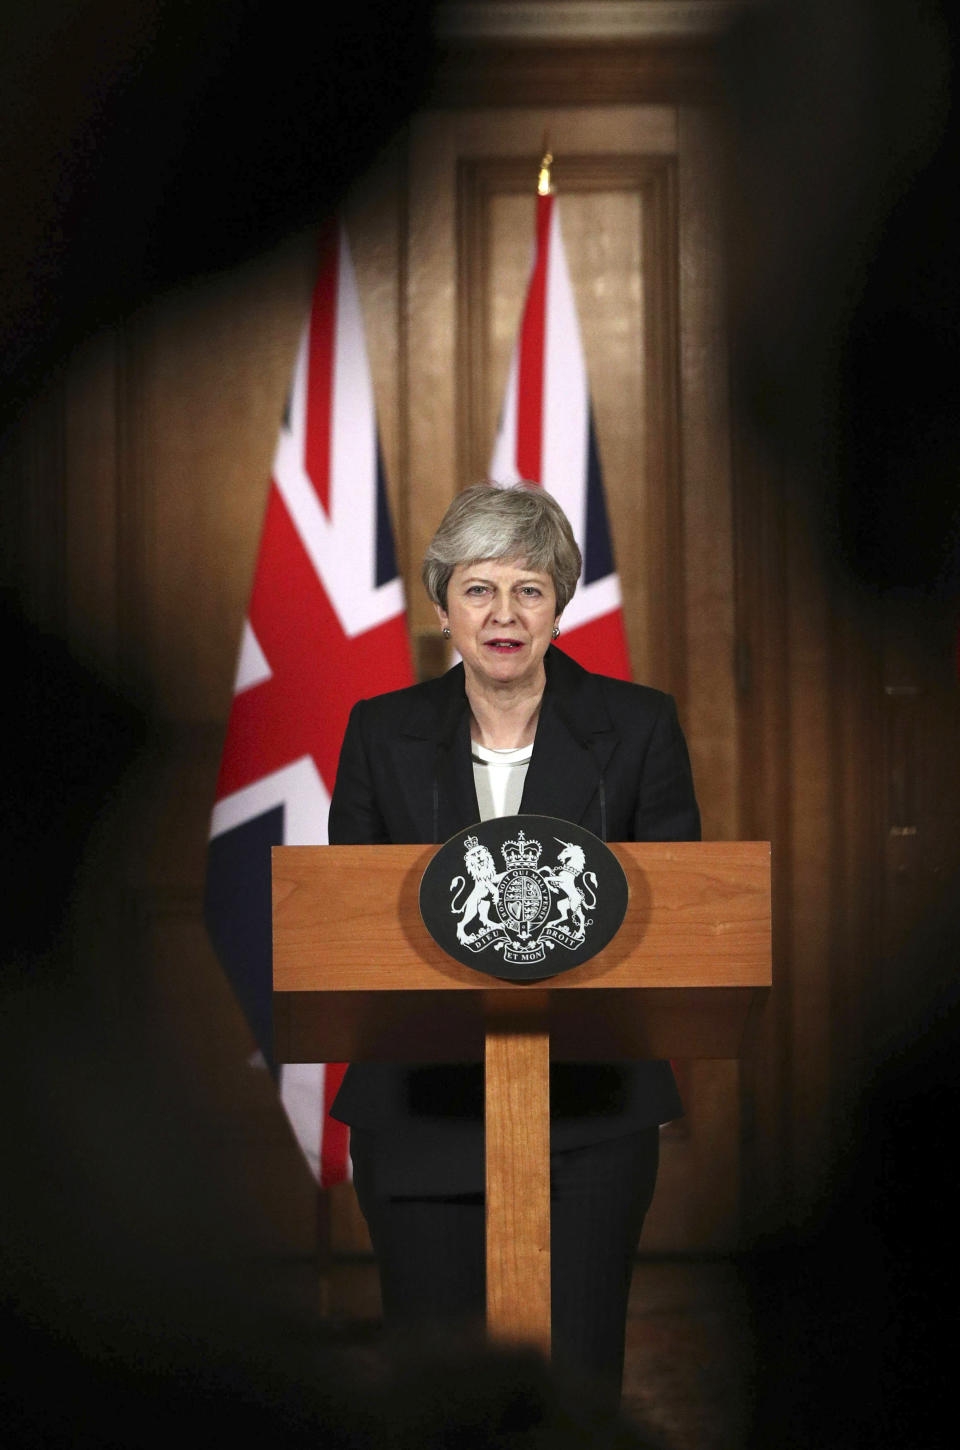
[{"x": 544, "y": 187}]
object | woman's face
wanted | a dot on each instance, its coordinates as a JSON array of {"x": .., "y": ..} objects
[{"x": 501, "y": 616}]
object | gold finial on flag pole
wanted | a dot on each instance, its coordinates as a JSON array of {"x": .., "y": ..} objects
[{"x": 543, "y": 181}]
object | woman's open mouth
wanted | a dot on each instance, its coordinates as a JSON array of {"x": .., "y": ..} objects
[{"x": 502, "y": 646}]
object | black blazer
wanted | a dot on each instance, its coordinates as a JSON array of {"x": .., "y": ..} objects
[{"x": 607, "y": 755}]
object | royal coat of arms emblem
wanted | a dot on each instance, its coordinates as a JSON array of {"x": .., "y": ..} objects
[
  {"x": 533, "y": 912},
  {"x": 525, "y": 909}
]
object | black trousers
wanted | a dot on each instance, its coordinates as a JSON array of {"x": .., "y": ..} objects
[{"x": 430, "y": 1255}]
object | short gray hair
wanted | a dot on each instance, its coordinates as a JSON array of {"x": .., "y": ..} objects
[{"x": 497, "y": 521}]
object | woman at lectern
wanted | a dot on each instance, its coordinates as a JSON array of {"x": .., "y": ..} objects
[{"x": 516, "y": 727}]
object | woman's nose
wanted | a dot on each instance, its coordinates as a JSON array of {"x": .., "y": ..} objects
[{"x": 503, "y": 608}]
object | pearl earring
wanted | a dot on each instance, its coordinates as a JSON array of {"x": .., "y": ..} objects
[
  {"x": 445, "y": 632},
  {"x": 556, "y": 632}
]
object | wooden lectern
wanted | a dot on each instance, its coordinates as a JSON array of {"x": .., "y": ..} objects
[{"x": 357, "y": 977}]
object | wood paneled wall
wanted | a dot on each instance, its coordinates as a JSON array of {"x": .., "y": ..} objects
[{"x": 138, "y": 481}]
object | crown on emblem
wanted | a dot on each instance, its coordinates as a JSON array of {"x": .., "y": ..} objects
[
  {"x": 521, "y": 852},
  {"x": 470, "y": 842}
]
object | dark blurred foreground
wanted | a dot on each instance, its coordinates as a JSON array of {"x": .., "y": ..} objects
[
  {"x": 149, "y": 143},
  {"x": 135, "y": 1314},
  {"x": 855, "y": 1317},
  {"x": 146, "y": 143},
  {"x": 844, "y": 232}
]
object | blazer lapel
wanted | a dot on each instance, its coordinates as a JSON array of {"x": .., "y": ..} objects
[
  {"x": 432, "y": 759},
  {"x": 431, "y": 751},
  {"x": 574, "y": 743}
]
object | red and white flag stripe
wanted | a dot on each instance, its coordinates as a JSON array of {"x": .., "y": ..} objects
[
  {"x": 325, "y": 626},
  {"x": 546, "y": 436}
]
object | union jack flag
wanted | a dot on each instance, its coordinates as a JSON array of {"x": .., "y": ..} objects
[
  {"x": 546, "y": 436},
  {"x": 326, "y": 625}
]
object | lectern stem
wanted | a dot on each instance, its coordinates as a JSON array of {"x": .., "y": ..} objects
[{"x": 518, "y": 1179}]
